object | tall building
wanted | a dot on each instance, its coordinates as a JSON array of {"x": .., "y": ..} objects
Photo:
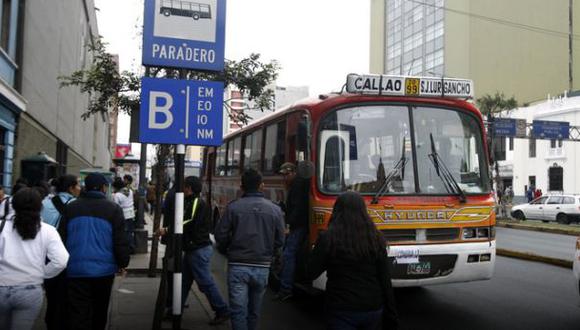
[
  {"x": 51, "y": 42},
  {"x": 518, "y": 47}
]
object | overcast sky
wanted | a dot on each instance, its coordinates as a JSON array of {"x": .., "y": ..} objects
[{"x": 317, "y": 42}]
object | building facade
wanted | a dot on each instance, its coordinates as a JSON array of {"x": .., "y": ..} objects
[
  {"x": 53, "y": 40},
  {"x": 549, "y": 165},
  {"x": 518, "y": 47}
]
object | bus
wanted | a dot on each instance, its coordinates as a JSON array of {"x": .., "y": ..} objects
[
  {"x": 413, "y": 147},
  {"x": 185, "y": 8}
]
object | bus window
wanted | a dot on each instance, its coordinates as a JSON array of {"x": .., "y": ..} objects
[
  {"x": 234, "y": 157},
  {"x": 373, "y": 140},
  {"x": 220, "y": 163},
  {"x": 275, "y": 149},
  {"x": 253, "y": 150},
  {"x": 457, "y": 139}
]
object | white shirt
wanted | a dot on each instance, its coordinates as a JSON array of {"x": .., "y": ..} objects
[
  {"x": 10, "y": 215},
  {"x": 22, "y": 262},
  {"x": 126, "y": 203}
]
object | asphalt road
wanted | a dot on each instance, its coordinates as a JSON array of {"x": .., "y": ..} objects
[
  {"x": 544, "y": 244},
  {"x": 521, "y": 295}
]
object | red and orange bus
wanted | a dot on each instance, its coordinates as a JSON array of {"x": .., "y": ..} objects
[{"x": 414, "y": 147}]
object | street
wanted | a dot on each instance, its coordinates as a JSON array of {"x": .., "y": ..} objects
[
  {"x": 521, "y": 295},
  {"x": 544, "y": 244}
]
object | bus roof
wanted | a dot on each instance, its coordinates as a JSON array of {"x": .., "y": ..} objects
[{"x": 317, "y": 107}]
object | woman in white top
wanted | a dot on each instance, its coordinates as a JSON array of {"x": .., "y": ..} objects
[
  {"x": 124, "y": 198},
  {"x": 25, "y": 245}
]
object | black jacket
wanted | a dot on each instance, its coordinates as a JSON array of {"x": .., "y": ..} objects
[
  {"x": 196, "y": 229},
  {"x": 354, "y": 284},
  {"x": 250, "y": 230},
  {"x": 93, "y": 229},
  {"x": 297, "y": 204}
]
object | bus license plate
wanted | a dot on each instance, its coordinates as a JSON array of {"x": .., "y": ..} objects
[{"x": 421, "y": 268}]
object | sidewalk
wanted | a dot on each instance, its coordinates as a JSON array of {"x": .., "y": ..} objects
[{"x": 133, "y": 297}]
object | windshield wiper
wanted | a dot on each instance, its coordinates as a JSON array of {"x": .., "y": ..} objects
[
  {"x": 444, "y": 173},
  {"x": 398, "y": 168}
]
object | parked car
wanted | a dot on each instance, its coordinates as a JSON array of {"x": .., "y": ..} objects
[
  {"x": 577, "y": 266},
  {"x": 561, "y": 208}
]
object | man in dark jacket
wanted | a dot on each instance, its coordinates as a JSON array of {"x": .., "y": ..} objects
[
  {"x": 249, "y": 232},
  {"x": 198, "y": 250},
  {"x": 94, "y": 235},
  {"x": 296, "y": 216}
]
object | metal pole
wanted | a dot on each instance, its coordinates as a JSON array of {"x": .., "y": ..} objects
[
  {"x": 570, "y": 46},
  {"x": 178, "y": 233},
  {"x": 142, "y": 187}
]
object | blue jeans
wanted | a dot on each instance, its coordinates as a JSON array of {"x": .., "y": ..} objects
[
  {"x": 293, "y": 242},
  {"x": 247, "y": 285},
  {"x": 350, "y": 320},
  {"x": 196, "y": 267},
  {"x": 20, "y": 306}
]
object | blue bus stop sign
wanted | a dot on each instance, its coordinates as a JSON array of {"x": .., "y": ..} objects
[
  {"x": 184, "y": 34},
  {"x": 181, "y": 112}
]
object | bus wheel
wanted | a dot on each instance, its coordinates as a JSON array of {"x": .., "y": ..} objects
[
  {"x": 166, "y": 13},
  {"x": 196, "y": 16}
]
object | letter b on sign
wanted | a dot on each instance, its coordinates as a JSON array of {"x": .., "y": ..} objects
[{"x": 160, "y": 103}]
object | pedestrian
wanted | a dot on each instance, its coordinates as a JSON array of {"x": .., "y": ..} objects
[
  {"x": 128, "y": 179},
  {"x": 94, "y": 232},
  {"x": 122, "y": 197},
  {"x": 537, "y": 193},
  {"x": 151, "y": 197},
  {"x": 67, "y": 188},
  {"x": 6, "y": 209},
  {"x": 30, "y": 252},
  {"x": 249, "y": 232},
  {"x": 352, "y": 252},
  {"x": 530, "y": 194},
  {"x": 296, "y": 217},
  {"x": 198, "y": 250}
]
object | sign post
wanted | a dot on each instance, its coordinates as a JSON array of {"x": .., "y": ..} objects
[{"x": 182, "y": 34}]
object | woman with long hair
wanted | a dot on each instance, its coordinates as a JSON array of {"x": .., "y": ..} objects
[
  {"x": 124, "y": 198},
  {"x": 25, "y": 245},
  {"x": 353, "y": 253},
  {"x": 67, "y": 188}
]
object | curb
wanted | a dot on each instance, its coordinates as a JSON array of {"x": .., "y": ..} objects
[
  {"x": 534, "y": 257},
  {"x": 539, "y": 229}
]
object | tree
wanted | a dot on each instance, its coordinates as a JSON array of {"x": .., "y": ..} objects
[
  {"x": 496, "y": 104},
  {"x": 491, "y": 106}
]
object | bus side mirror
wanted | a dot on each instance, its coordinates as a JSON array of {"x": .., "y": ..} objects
[{"x": 305, "y": 169}]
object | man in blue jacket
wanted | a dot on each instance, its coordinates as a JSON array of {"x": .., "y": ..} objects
[
  {"x": 94, "y": 235},
  {"x": 249, "y": 232}
]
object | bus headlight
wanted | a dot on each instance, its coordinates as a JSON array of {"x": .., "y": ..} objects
[
  {"x": 478, "y": 232},
  {"x": 469, "y": 233}
]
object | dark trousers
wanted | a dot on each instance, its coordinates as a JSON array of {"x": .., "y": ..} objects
[
  {"x": 56, "y": 302},
  {"x": 351, "y": 320},
  {"x": 89, "y": 302}
]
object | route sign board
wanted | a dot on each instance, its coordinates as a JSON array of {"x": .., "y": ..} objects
[
  {"x": 184, "y": 34},
  {"x": 186, "y": 112},
  {"x": 543, "y": 129},
  {"x": 504, "y": 127}
]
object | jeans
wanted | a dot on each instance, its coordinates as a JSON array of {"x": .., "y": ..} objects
[
  {"x": 293, "y": 242},
  {"x": 350, "y": 320},
  {"x": 247, "y": 285},
  {"x": 20, "y": 306},
  {"x": 130, "y": 231},
  {"x": 196, "y": 267}
]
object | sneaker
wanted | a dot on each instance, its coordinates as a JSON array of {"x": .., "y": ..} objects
[
  {"x": 219, "y": 319},
  {"x": 283, "y": 296}
]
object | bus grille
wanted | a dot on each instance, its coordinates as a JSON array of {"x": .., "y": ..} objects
[
  {"x": 397, "y": 235},
  {"x": 442, "y": 234}
]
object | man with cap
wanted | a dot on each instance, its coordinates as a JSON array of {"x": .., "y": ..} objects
[
  {"x": 93, "y": 231},
  {"x": 296, "y": 216}
]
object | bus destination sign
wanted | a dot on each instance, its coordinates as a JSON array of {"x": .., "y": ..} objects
[{"x": 409, "y": 86}]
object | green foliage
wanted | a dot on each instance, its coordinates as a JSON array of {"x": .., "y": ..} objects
[
  {"x": 497, "y": 103},
  {"x": 107, "y": 88}
]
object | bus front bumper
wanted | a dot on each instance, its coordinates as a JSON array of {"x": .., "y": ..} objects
[{"x": 441, "y": 263}]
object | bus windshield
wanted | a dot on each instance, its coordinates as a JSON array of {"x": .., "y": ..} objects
[{"x": 369, "y": 149}]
